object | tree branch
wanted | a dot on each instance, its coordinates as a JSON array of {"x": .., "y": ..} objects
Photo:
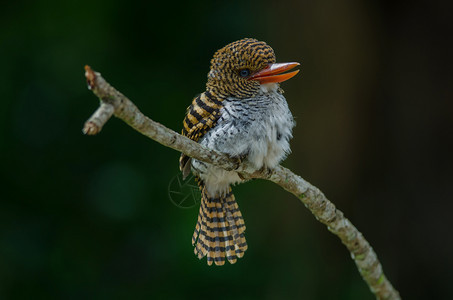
[{"x": 115, "y": 103}]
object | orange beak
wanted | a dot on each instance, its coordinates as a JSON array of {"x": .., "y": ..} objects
[{"x": 273, "y": 73}]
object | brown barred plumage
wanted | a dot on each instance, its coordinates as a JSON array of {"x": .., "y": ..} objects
[
  {"x": 243, "y": 54},
  {"x": 219, "y": 233},
  {"x": 237, "y": 100},
  {"x": 201, "y": 116}
]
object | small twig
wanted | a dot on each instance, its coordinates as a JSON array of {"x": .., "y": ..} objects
[
  {"x": 98, "y": 119},
  {"x": 113, "y": 102}
]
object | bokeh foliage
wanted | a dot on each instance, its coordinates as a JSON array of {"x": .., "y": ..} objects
[{"x": 90, "y": 217}]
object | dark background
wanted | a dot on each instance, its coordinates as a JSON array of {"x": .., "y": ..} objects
[{"x": 90, "y": 217}]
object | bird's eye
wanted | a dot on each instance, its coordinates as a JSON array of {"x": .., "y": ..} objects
[{"x": 244, "y": 72}]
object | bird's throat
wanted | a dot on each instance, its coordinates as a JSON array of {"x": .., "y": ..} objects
[{"x": 269, "y": 87}]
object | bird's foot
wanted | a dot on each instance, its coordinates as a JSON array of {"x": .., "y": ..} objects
[
  {"x": 238, "y": 160},
  {"x": 266, "y": 171}
]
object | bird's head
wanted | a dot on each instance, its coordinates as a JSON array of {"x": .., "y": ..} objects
[{"x": 242, "y": 68}]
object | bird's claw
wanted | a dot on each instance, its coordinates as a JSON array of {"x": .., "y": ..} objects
[
  {"x": 237, "y": 160},
  {"x": 266, "y": 171}
]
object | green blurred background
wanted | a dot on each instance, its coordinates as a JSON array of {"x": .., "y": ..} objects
[{"x": 89, "y": 217}]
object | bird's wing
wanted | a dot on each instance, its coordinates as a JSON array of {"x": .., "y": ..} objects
[{"x": 201, "y": 116}]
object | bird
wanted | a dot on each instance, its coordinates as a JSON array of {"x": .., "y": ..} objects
[{"x": 243, "y": 114}]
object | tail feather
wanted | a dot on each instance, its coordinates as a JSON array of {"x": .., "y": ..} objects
[
  {"x": 219, "y": 233},
  {"x": 226, "y": 233},
  {"x": 220, "y": 238},
  {"x": 212, "y": 237},
  {"x": 238, "y": 227},
  {"x": 201, "y": 247}
]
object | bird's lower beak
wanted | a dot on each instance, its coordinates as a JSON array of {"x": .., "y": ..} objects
[{"x": 273, "y": 73}]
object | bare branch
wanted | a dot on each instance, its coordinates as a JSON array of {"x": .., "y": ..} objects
[{"x": 113, "y": 102}]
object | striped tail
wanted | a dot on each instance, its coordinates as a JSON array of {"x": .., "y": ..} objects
[{"x": 219, "y": 233}]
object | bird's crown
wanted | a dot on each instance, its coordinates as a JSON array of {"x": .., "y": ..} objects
[{"x": 234, "y": 64}]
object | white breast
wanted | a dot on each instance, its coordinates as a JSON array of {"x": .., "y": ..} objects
[{"x": 257, "y": 129}]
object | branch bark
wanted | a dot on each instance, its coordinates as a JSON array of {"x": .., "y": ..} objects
[{"x": 115, "y": 103}]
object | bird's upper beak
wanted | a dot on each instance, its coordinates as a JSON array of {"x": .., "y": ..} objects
[{"x": 273, "y": 73}]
